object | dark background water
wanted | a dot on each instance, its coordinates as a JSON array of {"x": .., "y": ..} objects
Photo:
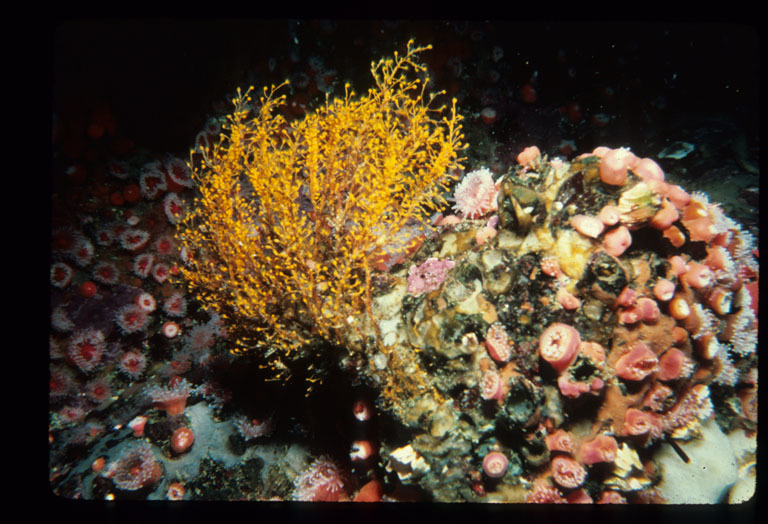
[{"x": 159, "y": 78}]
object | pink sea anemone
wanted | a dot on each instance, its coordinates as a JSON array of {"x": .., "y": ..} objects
[
  {"x": 61, "y": 275},
  {"x": 674, "y": 235},
  {"x": 678, "y": 196},
  {"x": 131, "y": 319},
  {"x": 137, "y": 425},
  {"x": 551, "y": 267},
  {"x": 98, "y": 389},
  {"x": 491, "y": 386},
  {"x": 178, "y": 174},
  {"x": 173, "y": 206},
  {"x": 648, "y": 169},
  {"x": 82, "y": 252},
  {"x": 698, "y": 275},
  {"x": 488, "y": 115},
  {"x": 142, "y": 264},
  {"x": 146, "y": 302},
  {"x": 362, "y": 451},
  {"x": 72, "y": 413},
  {"x": 609, "y": 215},
  {"x": 134, "y": 239},
  {"x": 560, "y": 440},
  {"x": 658, "y": 398},
  {"x": 571, "y": 389},
  {"x": 86, "y": 349},
  {"x": 182, "y": 440},
  {"x": 586, "y": 225},
  {"x": 132, "y": 363},
  {"x": 106, "y": 273},
  {"x": 648, "y": 309},
  {"x": 719, "y": 300},
  {"x": 637, "y": 364},
  {"x": 498, "y": 343},
  {"x": 602, "y": 448},
  {"x": 362, "y": 410},
  {"x": 617, "y": 240},
  {"x": 476, "y": 194},
  {"x": 627, "y": 297},
  {"x": 484, "y": 234},
  {"x": 566, "y": 299},
  {"x": 164, "y": 245},
  {"x": 161, "y": 272},
  {"x": 665, "y": 216},
  {"x": 251, "y": 428},
  {"x": 175, "y": 491},
  {"x": 61, "y": 382},
  {"x": 678, "y": 265},
  {"x": 322, "y": 481},
  {"x": 152, "y": 180},
  {"x": 542, "y": 494},
  {"x": 664, "y": 290},
  {"x": 136, "y": 468},
  {"x": 495, "y": 464},
  {"x": 613, "y": 166},
  {"x": 528, "y": 156},
  {"x": 175, "y": 305},
  {"x": 567, "y": 472},
  {"x": 700, "y": 229},
  {"x": 199, "y": 338},
  {"x": 638, "y": 422},
  {"x": 171, "y": 399},
  {"x": 170, "y": 329},
  {"x": 558, "y": 345},
  {"x": 673, "y": 364}
]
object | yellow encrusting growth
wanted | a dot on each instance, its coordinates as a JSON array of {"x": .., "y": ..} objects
[{"x": 290, "y": 215}]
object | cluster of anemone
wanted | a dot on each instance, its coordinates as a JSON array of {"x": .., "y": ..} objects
[
  {"x": 674, "y": 327},
  {"x": 699, "y": 297},
  {"x": 97, "y": 304}
]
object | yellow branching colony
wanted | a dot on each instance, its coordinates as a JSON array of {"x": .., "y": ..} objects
[{"x": 290, "y": 215}]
